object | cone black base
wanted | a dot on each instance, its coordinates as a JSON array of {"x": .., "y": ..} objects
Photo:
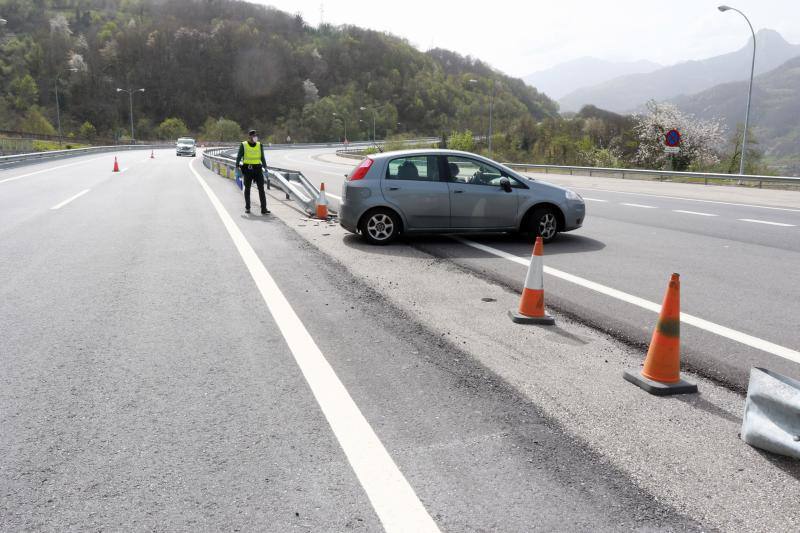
[
  {"x": 657, "y": 388},
  {"x": 519, "y": 318}
]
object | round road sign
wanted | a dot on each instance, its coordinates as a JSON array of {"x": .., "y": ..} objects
[{"x": 672, "y": 138}]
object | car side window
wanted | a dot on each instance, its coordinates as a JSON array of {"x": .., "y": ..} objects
[
  {"x": 473, "y": 172},
  {"x": 416, "y": 168}
]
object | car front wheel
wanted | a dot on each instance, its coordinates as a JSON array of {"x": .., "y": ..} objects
[
  {"x": 543, "y": 221},
  {"x": 380, "y": 226}
]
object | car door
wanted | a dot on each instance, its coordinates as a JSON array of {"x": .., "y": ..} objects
[
  {"x": 477, "y": 201},
  {"x": 412, "y": 184}
]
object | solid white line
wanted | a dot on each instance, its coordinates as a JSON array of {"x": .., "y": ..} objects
[
  {"x": 722, "y": 331},
  {"x": 694, "y": 213},
  {"x": 49, "y": 169},
  {"x": 68, "y": 200},
  {"x": 687, "y": 199},
  {"x": 393, "y": 499},
  {"x": 766, "y": 222},
  {"x": 641, "y": 205},
  {"x": 334, "y": 196},
  {"x": 594, "y": 199},
  {"x": 123, "y": 170}
]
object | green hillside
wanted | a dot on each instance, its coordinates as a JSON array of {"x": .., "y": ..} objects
[
  {"x": 774, "y": 117},
  {"x": 260, "y": 67}
]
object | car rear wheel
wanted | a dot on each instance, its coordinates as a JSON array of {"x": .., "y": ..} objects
[
  {"x": 380, "y": 226},
  {"x": 543, "y": 221}
]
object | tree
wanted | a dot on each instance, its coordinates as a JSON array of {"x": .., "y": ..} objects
[
  {"x": 221, "y": 129},
  {"x": 35, "y": 122},
  {"x": 87, "y": 131},
  {"x": 700, "y": 139},
  {"x": 172, "y": 128},
  {"x": 24, "y": 92},
  {"x": 461, "y": 141}
]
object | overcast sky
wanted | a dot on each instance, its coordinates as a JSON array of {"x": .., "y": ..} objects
[{"x": 521, "y": 37}]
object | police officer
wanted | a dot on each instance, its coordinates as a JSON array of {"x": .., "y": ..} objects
[{"x": 251, "y": 159}]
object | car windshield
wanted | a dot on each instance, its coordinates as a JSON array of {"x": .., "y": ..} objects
[{"x": 186, "y": 142}]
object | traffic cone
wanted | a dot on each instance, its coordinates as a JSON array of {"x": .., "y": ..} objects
[
  {"x": 531, "y": 306},
  {"x": 152, "y": 155},
  {"x": 322, "y": 203},
  {"x": 116, "y": 165},
  {"x": 661, "y": 374}
]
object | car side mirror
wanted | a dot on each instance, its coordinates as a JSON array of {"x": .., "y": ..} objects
[{"x": 505, "y": 184}]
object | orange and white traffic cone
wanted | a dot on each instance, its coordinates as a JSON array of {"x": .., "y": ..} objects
[
  {"x": 152, "y": 155},
  {"x": 322, "y": 203},
  {"x": 661, "y": 374},
  {"x": 531, "y": 305},
  {"x": 116, "y": 165}
]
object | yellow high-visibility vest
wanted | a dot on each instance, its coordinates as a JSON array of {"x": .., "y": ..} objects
[{"x": 252, "y": 154}]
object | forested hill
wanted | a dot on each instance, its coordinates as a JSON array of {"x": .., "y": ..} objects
[{"x": 260, "y": 67}]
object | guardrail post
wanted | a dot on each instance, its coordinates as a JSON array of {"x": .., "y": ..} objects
[{"x": 759, "y": 183}]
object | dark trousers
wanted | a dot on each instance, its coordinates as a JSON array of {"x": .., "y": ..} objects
[{"x": 249, "y": 174}]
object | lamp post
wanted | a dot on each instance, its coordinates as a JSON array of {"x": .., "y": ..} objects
[
  {"x": 58, "y": 106},
  {"x": 749, "y": 90},
  {"x": 373, "y": 123},
  {"x": 491, "y": 112},
  {"x": 130, "y": 94},
  {"x": 344, "y": 122}
]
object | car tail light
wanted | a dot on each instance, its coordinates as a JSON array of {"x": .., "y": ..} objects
[{"x": 361, "y": 170}]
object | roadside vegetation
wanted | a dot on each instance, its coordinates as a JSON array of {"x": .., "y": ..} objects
[{"x": 216, "y": 69}]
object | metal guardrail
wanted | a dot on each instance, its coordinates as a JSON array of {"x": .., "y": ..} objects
[
  {"x": 292, "y": 182},
  {"x": 10, "y": 160},
  {"x": 662, "y": 175}
]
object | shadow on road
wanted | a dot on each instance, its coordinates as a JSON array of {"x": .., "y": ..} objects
[{"x": 510, "y": 243}]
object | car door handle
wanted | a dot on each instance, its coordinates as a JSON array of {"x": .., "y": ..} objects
[
  {"x": 394, "y": 188},
  {"x": 457, "y": 191}
]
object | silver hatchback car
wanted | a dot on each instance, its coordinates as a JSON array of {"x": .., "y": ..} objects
[{"x": 447, "y": 191}]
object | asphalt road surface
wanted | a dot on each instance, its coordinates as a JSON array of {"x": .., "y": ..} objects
[
  {"x": 169, "y": 363},
  {"x": 737, "y": 250}
]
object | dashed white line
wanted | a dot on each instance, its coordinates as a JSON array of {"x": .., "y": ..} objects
[
  {"x": 49, "y": 169},
  {"x": 641, "y": 205},
  {"x": 392, "y": 497},
  {"x": 722, "y": 331},
  {"x": 687, "y": 199},
  {"x": 594, "y": 199},
  {"x": 766, "y": 222},
  {"x": 68, "y": 200},
  {"x": 694, "y": 213}
]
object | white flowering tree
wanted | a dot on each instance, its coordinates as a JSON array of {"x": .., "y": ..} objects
[{"x": 700, "y": 139}]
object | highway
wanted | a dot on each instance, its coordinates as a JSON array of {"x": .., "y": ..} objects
[
  {"x": 169, "y": 363},
  {"x": 737, "y": 251}
]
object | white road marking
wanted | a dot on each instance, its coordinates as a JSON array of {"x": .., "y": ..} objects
[
  {"x": 594, "y": 199},
  {"x": 688, "y": 199},
  {"x": 123, "y": 170},
  {"x": 333, "y": 196},
  {"x": 722, "y": 331},
  {"x": 694, "y": 213},
  {"x": 641, "y": 205},
  {"x": 49, "y": 169},
  {"x": 766, "y": 222},
  {"x": 68, "y": 200},
  {"x": 393, "y": 499}
]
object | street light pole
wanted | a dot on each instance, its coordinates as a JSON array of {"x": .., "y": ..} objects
[
  {"x": 724, "y": 8},
  {"x": 373, "y": 123},
  {"x": 58, "y": 108},
  {"x": 130, "y": 95},
  {"x": 344, "y": 122},
  {"x": 491, "y": 108}
]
